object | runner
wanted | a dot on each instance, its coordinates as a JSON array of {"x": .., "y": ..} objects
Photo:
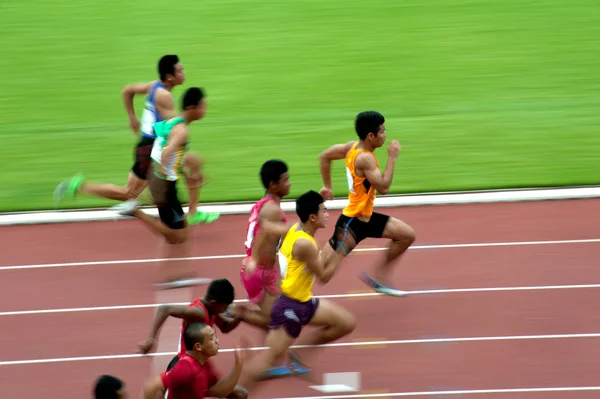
[
  {"x": 194, "y": 376},
  {"x": 296, "y": 307},
  {"x": 365, "y": 179},
  {"x": 168, "y": 150},
  {"x": 110, "y": 387},
  {"x": 159, "y": 106}
]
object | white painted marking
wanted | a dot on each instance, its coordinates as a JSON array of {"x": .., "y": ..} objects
[
  {"x": 333, "y": 388},
  {"x": 331, "y": 296},
  {"x": 213, "y": 257},
  {"x": 347, "y": 379},
  {"x": 445, "y": 393},
  {"x": 331, "y": 345}
]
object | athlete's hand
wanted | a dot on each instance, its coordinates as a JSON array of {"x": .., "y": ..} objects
[
  {"x": 394, "y": 149},
  {"x": 242, "y": 352},
  {"x": 135, "y": 124},
  {"x": 146, "y": 346},
  {"x": 326, "y": 193}
]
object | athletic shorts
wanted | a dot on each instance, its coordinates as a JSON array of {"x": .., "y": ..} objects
[
  {"x": 293, "y": 315},
  {"x": 260, "y": 281},
  {"x": 141, "y": 157},
  {"x": 358, "y": 229},
  {"x": 164, "y": 195}
]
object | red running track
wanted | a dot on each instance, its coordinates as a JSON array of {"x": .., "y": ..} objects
[{"x": 392, "y": 346}]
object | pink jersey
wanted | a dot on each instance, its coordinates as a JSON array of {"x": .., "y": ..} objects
[{"x": 254, "y": 224}]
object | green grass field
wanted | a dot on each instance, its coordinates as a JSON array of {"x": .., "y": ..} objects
[{"x": 485, "y": 94}]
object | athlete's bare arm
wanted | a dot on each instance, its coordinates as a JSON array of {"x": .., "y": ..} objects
[
  {"x": 128, "y": 92},
  {"x": 226, "y": 325},
  {"x": 272, "y": 228},
  {"x": 305, "y": 251},
  {"x": 188, "y": 313},
  {"x": 154, "y": 388},
  {"x": 165, "y": 105},
  {"x": 366, "y": 166},
  {"x": 333, "y": 153}
]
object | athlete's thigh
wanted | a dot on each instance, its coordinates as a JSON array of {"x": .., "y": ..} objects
[
  {"x": 396, "y": 229},
  {"x": 278, "y": 341},
  {"x": 331, "y": 314}
]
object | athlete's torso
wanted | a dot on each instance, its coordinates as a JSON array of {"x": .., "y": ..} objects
[
  {"x": 172, "y": 165},
  {"x": 361, "y": 193},
  {"x": 297, "y": 279},
  {"x": 151, "y": 115},
  {"x": 210, "y": 320},
  {"x": 253, "y": 228}
]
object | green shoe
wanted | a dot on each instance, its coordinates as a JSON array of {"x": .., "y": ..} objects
[
  {"x": 203, "y": 217},
  {"x": 67, "y": 189}
]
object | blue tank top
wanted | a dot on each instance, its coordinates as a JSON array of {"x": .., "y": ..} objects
[{"x": 150, "y": 115}]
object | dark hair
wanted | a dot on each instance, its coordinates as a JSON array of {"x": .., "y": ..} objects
[
  {"x": 308, "y": 204},
  {"x": 107, "y": 387},
  {"x": 193, "y": 334},
  {"x": 166, "y": 66},
  {"x": 192, "y": 97},
  {"x": 221, "y": 291},
  {"x": 368, "y": 122},
  {"x": 271, "y": 171}
]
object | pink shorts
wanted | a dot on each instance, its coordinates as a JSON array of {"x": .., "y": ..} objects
[{"x": 259, "y": 281}]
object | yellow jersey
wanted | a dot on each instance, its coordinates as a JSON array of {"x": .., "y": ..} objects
[
  {"x": 361, "y": 193},
  {"x": 296, "y": 278}
]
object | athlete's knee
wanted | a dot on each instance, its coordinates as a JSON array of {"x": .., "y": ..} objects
[
  {"x": 347, "y": 324},
  {"x": 400, "y": 232}
]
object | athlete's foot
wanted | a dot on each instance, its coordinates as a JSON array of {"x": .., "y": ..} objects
[
  {"x": 182, "y": 283},
  {"x": 67, "y": 189},
  {"x": 203, "y": 217},
  {"x": 297, "y": 365},
  {"x": 381, "y": 288},
  {"x": 275, "y": 372},
  {"x": 126, "y": 208}
]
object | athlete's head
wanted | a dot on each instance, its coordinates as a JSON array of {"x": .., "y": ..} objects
[
  {"x": 370, "y": 127},
  {"x": 310, "y": 208},
  {"x": 109, "y": 387},
  {"x": 193, "y": 103},
  {"x": 200, "y": 339},
  {"x": 275, "y": 177},
  {"x": 219, "y": 296},
  {"x": 170, "y": 70}
]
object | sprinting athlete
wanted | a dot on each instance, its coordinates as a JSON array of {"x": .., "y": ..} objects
[
  {"x": 159, "y": 105},
  {"x": 210, "y": 310},
  {"x": 168, "y": 151},
  {"x": 194, "y": 376},
  {"x": 364, "y": 181},
  {"x": 301, "y": 264}
]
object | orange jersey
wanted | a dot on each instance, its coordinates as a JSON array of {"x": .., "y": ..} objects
[{"x": 361, "y": 193}]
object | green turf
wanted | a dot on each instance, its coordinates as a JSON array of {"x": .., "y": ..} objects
[{"x": 483, "y": 94}]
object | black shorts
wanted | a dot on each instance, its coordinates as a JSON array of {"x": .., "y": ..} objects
[
  {"x": 141, "y": 157},
  {"x": 358, "y": 229},
  {"x": 164, "y": 196}
]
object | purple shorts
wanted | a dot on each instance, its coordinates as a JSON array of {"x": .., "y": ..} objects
[{"x": 292, "y": 314}]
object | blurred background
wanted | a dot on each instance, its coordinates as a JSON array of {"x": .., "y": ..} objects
[{"x": 486, "y": 94}]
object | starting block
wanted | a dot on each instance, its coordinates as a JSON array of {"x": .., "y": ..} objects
[{"x": 339, "y": 382}]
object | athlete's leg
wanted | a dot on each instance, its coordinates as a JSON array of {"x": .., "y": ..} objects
[
  {"x": 134, "y": 188},
  {"x": 193, "y": 171},
  {"x": 239, "y": 392},
  {"x": 174, "y": 231},
  {"x": 402, "y": 236}
]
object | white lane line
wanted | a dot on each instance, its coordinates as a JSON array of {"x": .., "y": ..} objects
[
  {"x": 213, "y": 257},
  {"x": 331, "y": 345},
  {"x": 332, "y": 296},
  {"x": 447, "y": 393}
]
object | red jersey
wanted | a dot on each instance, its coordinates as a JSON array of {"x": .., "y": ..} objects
[
  {"x": 254, "y": 223},
  {"x": 189, "y": 379},
  {"x": 209, "y": 320}
]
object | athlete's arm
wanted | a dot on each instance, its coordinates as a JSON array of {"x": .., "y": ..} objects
[
  {"x": 165, "y": 105},
  {"x": 154, "y": 388},
  {"x": 333, "y": 153},
  {"x": 306, "y": 251},
  {"x": 270, "y": 220},
  {"x": 177, "y": 139},
  {"x": 227, "y": 325},
  {"x": 128, "y": 92},
  {"x": 225, "y": 385},
  {"x": 366, "y": 164},
  {"x": 188, "y": 313}
]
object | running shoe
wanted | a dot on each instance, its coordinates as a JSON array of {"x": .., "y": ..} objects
[
  {"x": 275, "y": 372},
  {"x": 126, "y": 208},
  {"x": 203, "y": 217},
  {"x": 297, "y": 365},
  {"x": 67, "y": 189},
  {"x": 378, "y": 287}
]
